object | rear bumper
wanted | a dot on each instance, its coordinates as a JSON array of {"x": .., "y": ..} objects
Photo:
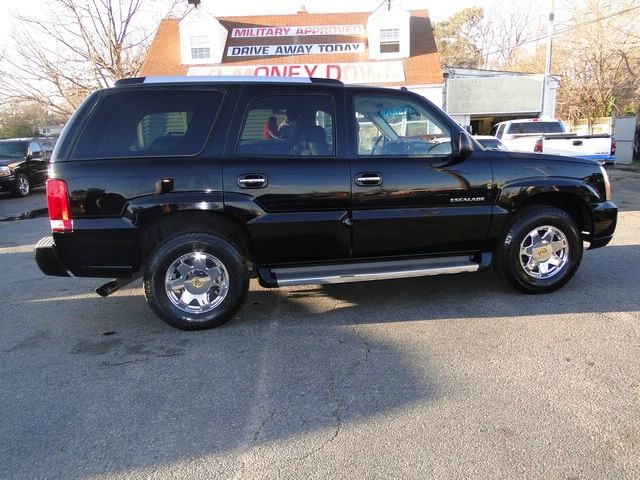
[
  {"x": 604, "y": 217},
  {"x": 47, "y": 258}
]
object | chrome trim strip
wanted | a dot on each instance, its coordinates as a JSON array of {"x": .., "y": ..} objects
[{"x": 285, "y": 280}]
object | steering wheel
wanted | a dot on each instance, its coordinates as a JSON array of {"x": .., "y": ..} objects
[{"x": 376, "y": 144}]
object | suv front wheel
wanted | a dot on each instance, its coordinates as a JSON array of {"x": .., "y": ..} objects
[
  {"x": 196, "y": 281},
  {"x": 22, "y": 188},
  {"x": 540, "y": 251}
]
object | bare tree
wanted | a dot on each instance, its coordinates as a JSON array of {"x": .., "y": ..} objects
[
  {"x": 511, "y": 31},
  {"x": 73, "y": 49},
  {"x": 600, "y": 60},
  {"x": 496, "y": 38}
]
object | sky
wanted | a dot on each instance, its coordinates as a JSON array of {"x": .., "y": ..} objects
[{"x": 155, "y": 9}]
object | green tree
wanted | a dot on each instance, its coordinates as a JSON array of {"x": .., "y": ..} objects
[
  {"x": 18, "y": 129},
  {"x": 23, "y": 119},
  {"x": 458, "y": 38}
]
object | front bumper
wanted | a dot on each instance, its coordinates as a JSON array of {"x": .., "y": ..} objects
[
  {"x": 47, "y": 258},
  {"x": 7, "y": 183},
  {"x": 604, "y": 217}
]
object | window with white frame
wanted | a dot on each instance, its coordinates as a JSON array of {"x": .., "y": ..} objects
[
  {"x": 200, "y": 47},
  {"x": 389, "y": 40}
]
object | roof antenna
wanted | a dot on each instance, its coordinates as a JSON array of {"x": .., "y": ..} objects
[{"x": 195, "y": 3}]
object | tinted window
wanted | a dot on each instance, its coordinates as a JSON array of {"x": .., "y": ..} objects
[
  {"x": 288, "y": 125},
  {"x": 149, "y": 123},
  {"x": 397, "y": 126},
  {"x": 535, "y": 127},
  {"x": 36, "y": 149}
]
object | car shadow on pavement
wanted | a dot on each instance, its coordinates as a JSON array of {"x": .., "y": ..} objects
[{"x": 96, "y": 386}]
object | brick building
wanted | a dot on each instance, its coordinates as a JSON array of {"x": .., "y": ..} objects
[{"x": 390, "y": 47}]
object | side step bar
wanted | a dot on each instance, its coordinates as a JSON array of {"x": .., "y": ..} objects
[{"x": 366, "y": 271}]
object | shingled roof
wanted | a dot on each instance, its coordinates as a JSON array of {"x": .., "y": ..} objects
[{"x": 421, "y": 68}]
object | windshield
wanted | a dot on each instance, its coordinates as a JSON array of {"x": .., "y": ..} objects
[
  {"x": 13, "y": 149},
  {"x": 536, "y": 127},
  {"x": 491, "y": 144}
]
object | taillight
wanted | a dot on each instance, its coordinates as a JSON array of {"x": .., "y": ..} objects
[
  {"x": 58, "y": 205},
  {"x": 613, "y": 146},
  {"x": 538, "y": 146}
]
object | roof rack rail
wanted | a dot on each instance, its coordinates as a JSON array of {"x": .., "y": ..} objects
[
  {"x": 219, "y": 79},
  {"x": 129, "y": 81},
  {"x": 327, "y": 81}
]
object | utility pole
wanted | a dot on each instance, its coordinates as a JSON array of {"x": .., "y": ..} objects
[
  {"x": 547, "y": 63},
  {"x": 550, "y": 31}
]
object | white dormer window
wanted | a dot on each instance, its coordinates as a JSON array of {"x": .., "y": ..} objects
[
  {"x": 200, "y": 47},
  {"x": 389, "y": 40},
  {"x": 202, "y": 38},
  {"x": 389, "y": 31}
]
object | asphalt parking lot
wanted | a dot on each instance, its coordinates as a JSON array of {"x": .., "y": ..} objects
[{"x": 441, "y": 377}]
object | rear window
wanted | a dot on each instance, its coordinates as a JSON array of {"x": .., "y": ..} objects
[
  {"x": 535, "y": 127},
  {"x": 150, "y": 123}
]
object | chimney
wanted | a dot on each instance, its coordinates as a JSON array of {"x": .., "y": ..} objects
[{"x": 302, "y": 9}]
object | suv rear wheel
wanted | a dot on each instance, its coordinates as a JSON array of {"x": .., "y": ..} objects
[
  {"x": 196, "y": 281},
  {"x": 540, "y": 251}
]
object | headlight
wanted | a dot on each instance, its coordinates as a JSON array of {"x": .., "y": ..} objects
[
  {"x": 5, "y": 171},
  {"x": 607, "y": 184}
]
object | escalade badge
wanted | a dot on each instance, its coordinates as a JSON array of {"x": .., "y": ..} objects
[{"x": 467, "y": 199}]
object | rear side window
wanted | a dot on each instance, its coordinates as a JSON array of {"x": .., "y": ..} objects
[
  {"x": 535, "y": 127},
  {"x": 150, "y": 123},
  {"x": 397, "y": 126},
  {"x": 288, "y": 125}
]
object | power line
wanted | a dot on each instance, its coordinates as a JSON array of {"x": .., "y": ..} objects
[{"x": 565, "y": 30}]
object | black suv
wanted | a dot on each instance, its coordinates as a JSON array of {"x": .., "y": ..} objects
[
  {"x": 23, "y": 164},
  {"x": 198, "y": 184}
]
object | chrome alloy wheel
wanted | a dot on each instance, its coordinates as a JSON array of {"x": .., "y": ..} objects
[
  {"x": 544, "y": 251},
  {"x": 197, "y": 282},
  {"x": 23, "y": 185}
]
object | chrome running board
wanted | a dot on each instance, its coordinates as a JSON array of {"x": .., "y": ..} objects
[{"x": 367, "y": 271}]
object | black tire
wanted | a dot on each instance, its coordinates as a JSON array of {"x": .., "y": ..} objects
[
  {"x": 509, "y": 261},
  {"x": 22, "y": 187},
  {"x": 169, "y": 307}
]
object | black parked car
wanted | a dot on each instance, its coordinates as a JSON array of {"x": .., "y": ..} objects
[
  {"x": 197, "y": 184},
  {"x": 23, "y": 164}
]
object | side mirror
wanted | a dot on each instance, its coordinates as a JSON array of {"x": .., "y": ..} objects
[{"x": 465, "y": 146}]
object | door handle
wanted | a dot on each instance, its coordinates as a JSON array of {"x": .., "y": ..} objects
[
  {"x": 252, "y": 180},
  {"x": 368, "y": 179}
]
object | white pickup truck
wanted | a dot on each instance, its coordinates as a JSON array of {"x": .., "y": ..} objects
[{"x": 550, "y": 136}]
